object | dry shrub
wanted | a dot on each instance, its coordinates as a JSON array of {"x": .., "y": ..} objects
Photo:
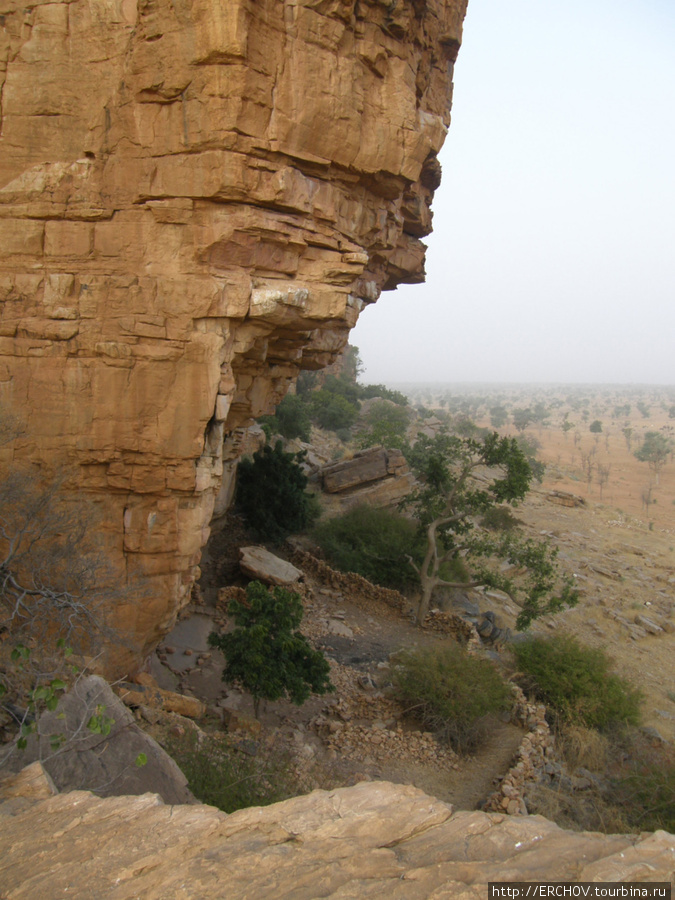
[
  {"x": 451, "y": 693},
  {"x": 583, "y": 746},
  {"x": 588, "y": 811}
]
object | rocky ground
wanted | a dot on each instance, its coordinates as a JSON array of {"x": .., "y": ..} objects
[
  {"x": 357, "y": 733},
  {"x": 623, "y": 569}
]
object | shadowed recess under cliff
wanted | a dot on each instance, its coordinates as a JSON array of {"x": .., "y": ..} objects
[{"x": 196, "y": 201}]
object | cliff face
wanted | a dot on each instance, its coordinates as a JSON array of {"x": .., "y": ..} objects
[{"x": 196, "y": 200}]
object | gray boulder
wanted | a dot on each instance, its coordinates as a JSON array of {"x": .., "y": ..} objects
[{"x": 105, "y": 764}]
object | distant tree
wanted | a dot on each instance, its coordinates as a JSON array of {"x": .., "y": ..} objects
[
  {"x": 333, "y": 411},
  {"x": 446, "y": 504},
  {"x": 385, "y": 423},
  {"x": 655, "y": 450},
  {"x": 540, "y": 413},
  {"x": 627, "y": 432},
  {"x": 595, "y": 427},
  {"x": 671, "y": 412},
  {"x": 588, "y": 465},
  {"x": 352, "y": 365},
  {"x": 266, "y": 654},
  {"x": 530, "y": 446},
  {"x": 291, "y": 419},
  {"x": 368, "y": 391},
  {"x": 499, "y": 416},
  {"x": 603, "y": 475},
  {"x": 647, "y": 492},
  {"x": 643, "y": 409},
  {"x": 306, "y": 383},
  {"x": 521, "y": 417}
]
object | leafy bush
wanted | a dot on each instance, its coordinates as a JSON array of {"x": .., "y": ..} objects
[
  {"x": 451, "y": 692},
  {"x": 368, "y": 391},
  {"x": 271, "y": 494},
  {"x": 500, "y": 518},
  {"x": 291, "y": 419},
  {"x": 266, "y": 654},
  {"x": 386, "y": 424},
  {"x": 223, "y": 776},
  {"x": 333, "y": 411},
  {"x": 576, "y": 682},
  {"x": 374, "y": 543}
]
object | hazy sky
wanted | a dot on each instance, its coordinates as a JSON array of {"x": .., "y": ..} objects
[{"x": 553, "y": 252}]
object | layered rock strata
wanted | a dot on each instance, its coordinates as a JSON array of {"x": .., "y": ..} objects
[
  {"x": 196, "y": 201},
  {"x": 371, "y": 840}
]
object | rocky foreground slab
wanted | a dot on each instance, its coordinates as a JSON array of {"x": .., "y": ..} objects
[{"x": 373, "y": 840}]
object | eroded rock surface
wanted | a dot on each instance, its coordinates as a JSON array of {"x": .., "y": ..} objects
[
  {"x": 371, "y": 840},
  {"x": 103, "y": 760},
  {"x": 196, "y": 201}
]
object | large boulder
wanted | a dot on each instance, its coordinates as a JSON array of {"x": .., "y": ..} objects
[
  {"x": 372, "y": 840},
  {"x": 369, "y": 465},
  {"x": 260, "y": 564},
  {"x": 107, "y": 764}
]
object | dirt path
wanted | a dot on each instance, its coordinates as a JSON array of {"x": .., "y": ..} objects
[{"x": 359, "y": 732}]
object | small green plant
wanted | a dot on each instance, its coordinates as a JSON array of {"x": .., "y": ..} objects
[
  {"x": 374, "y": 543},
  {"x": 266, "y": 654},
  {"x": 221, "y": 775},
  {"x": 500, "y": 518},
  {"x": 451, "y": 692},
  {"x": 271, "y": 494},
  {"x": 576, "y": 683}
]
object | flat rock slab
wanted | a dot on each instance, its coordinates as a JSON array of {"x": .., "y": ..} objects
[
  {"x": 372, "y": 840},
  {"x": 260, "y": 564}
]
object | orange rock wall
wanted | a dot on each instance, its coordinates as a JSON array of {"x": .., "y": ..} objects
[{"x": 197, "y": 198}]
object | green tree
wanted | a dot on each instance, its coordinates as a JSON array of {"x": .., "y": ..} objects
[
  {"x": 271, "y": 493},
  {"x": 368, "y": 391},
  {"x": 448, "y": 501},
  {"x": 595, "y": 427},
  {"x": 385, "y": 423},
  {"x": 522, "y": 417},
  {"x": 333, "y": 411},
  {"x": 655, "y": 450},
  {"x": 266, "y": 654},
  {"x": 498, "y": 416},
  {"x": 291, "y": 419}
]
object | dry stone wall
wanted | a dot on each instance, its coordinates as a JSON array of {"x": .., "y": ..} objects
[{"x": 196, "y": 201}]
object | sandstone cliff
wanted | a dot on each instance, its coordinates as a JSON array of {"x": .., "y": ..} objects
[
  {"x": 371, "y": 840},
  {"x": 196, "y": 201}
]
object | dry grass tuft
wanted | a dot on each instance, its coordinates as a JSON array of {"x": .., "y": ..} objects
[{"x": 585, "y": 747}]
